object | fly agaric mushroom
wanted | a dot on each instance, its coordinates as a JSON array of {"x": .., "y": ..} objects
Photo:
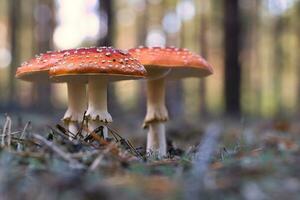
[
  {"x": 163, "y": 64},
  {"x": 37, "y": 70},
  {"x": 98, "y": 66}
]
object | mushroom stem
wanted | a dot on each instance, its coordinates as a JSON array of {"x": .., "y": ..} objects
[
  {"x": 73, "y": 128},
  {"x": 97, "y": 109},
  {"x": 157, "y": 114},
  {"x": 156, "y": 139},
  {"x": 76, "y": 105}
]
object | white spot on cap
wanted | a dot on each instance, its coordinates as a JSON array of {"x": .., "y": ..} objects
[{"x": 123, "y": 52}]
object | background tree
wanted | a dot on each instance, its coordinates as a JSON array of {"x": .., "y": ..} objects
[
  {"x": 232, "y": 63},
  {"x": 298, "y": 63},
  {"x": 108, "y": 40},
  {"x": 107, "y": 7},
  {"x": 204, "y": 52},
  {"x": 14, "y": 23},
  {"x": 142, "y": 27},
  {"x": 44, "y": 28},
  {"x": 174, "y": 92},
  {"x": 278, "y": 61}
]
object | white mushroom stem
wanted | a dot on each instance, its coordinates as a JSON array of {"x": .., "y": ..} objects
[
  {"x": 97, "y": 107},
  {"x": 156, "y": 139},
  {"x": 77, "y": 105},
  {"x": 157, "y": 114}
]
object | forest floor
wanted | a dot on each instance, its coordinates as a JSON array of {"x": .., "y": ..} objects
[{"x": 255, "y": 161}]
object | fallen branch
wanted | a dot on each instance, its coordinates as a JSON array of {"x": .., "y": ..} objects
[
  {"x": 9, "y": 132},
  {"x": 62, "y": 132},
  {"x": 58, "y": 151},
  {"x": 24, "y": 141},
  {"x": 22, "y": 137},
  {"x": 99, "y": 159},
  {"x": 13, "y": 133},
  {"x": 201, "y": 161},
  {"x": 4, "y": 132}
]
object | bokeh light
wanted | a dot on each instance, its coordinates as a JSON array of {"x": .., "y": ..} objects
[
  {"x": 79, "y": 24},
  {"x": 156, "y": 37},
  {"x": 277, "y": 7},
  {"x": 5, "y": 57},
  {"x": 186, "y": 9},
  {"x": 171, "y": 22}
]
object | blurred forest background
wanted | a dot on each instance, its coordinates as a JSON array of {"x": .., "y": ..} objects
[{"x": 252, "y": 44}]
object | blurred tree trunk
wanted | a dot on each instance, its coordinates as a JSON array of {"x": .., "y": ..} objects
[
  {"x": 278, "y": 62},
  {"x": 204, "y": 52},
  {"x": 108, "y": 7},
  {"x": 14, "y": 24},
  {"x": 142, "y": 23},
  {"x": 251, "y": 80},
  {"x": 298, "y": 63},
  {"x": 174, "y": 89},
  {"x": 232, "y": 51},
  {"x": 44, "y": 33},
  {"x": 255, "y": 56}
]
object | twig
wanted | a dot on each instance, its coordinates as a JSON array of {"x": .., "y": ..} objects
[
  {"x": 65, "y": 131},
  {"x": 138, "y": 154},
  {"x": 29, "y": 154},
  {"x": 4, "y": 132},
  {"x": 24, "y": 141},
  {"x": 62, "y": 133},
  {"x": 13, "y": 133},
  {"x": 114, "y": 133},
  {"x": 81, "y": 126},
  {"x": 23, "y": 134},
  {"x": 98, "y": 160},
  {"x": 57, "y": 150},
  {"x": 9, "y": 132},
  {"x": 98, "y": 138},
  {"x": 124, "y": 142}
]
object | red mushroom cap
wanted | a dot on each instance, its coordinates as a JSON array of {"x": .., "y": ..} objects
[
  {"x": 103, "y": 61},
  {"x": 37, "y": 68},
  {"x": 182, "y": 62}
]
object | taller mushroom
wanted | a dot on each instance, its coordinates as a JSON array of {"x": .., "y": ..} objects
[
  {"x": 98, "y": 67},
  {"x": 163, "y": 64},
  {"x": 37, "y": 70}
]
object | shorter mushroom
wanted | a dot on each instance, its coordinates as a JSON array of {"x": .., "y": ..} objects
[
  {"x": 98, "y": 67},
  {"x": 163, "y": 64},
  {"x": 37, "y": 70}
]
